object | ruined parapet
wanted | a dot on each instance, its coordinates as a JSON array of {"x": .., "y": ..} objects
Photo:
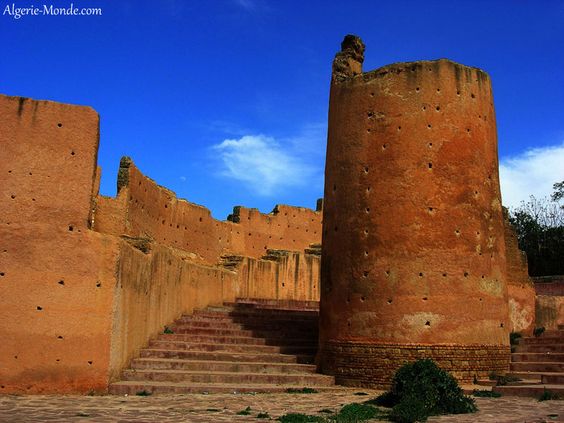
[
  {"x": 413, "y": 260},
  {"x": 520, "y": 287}
]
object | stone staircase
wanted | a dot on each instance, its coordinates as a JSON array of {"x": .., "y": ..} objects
[
  {"x": 539, "y": 363},
  {"x": 247, "y": 346}
]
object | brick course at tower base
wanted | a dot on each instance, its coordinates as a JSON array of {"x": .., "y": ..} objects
[{"x": 373, "y": 364}]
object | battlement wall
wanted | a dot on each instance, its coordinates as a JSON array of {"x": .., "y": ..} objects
[{"x": 145, "y": 209}]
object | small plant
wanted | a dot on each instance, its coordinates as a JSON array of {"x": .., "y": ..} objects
[
  {"x": 143, "y": 393},
  {"x": 538, "y": 331},
  {"x": 357, "y": 413},
  {"x": 301, "y": 391},
  {"x": 502, "y": 380},
  {"x": 168, "y": 330},
  {"x": 485, "y": 394},
  {"x": 300, "y": 418},
  {"x": 245, "y": 412},
  {"x": 263, "y": 416},
  {"x": 514, "y": 340},
  {"x": 421, "y": 389},
  {"x": 548, "y": 395}
]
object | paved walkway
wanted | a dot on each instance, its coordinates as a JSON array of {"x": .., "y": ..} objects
[{"x": 224, "y": 408}]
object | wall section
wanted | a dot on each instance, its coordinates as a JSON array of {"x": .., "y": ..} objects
[{"x": 56, "y": 276}]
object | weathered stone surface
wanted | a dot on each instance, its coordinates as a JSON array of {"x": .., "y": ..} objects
[{"x": 413, "y": 236}]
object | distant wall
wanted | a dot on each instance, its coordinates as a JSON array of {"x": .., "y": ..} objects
[
  {"x": 155, "y": 288},
  {"x": 154, "y": 211},
  {"x": 549, "y": 301},
  {"x": 520, "y": 287},
  {"x": 57, "y": 277},
  {"x": 159, "y": 285},
  {"x": 549, "y": 285}
]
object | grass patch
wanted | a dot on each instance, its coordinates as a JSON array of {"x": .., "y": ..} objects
[
  {"x": 167, "y": 330},
  {"x": 548, "y": 395},
  {"x": 263, "y": 416},
  {"x": 301, "y": 391},
  {"x": 301, "y": 418},
  {"x": 245, "y": 412},
  {"x": 483, "y": 393},
  {"x": 357, "y": 413},
  {"x": 143, "y": 393}
]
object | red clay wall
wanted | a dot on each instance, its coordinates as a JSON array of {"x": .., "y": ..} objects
[
  {"x": 549, "y": 301},
  {"x": 56, "y": 276},
  {"x": 413, "y": 236},
  {"x": 154, "y": 211},
  {"x": 520, "y": 288}
]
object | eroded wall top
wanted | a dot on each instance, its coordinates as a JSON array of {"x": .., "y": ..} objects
[{"x": 145, "y": 209}]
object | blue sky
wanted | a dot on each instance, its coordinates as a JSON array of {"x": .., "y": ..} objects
[{"x": 225, "y": 101}]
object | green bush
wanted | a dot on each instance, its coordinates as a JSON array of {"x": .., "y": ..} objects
[
  {"x": 421, "y": 389},
  {"x": 514, "y": 337},
  {"x": 538, "y": 331},
  {"x": 548, "y": 395},
  {"x": 356, "y": 413},
  {"x": 486, "y": 394},
  {"x": 300, "y": 418}
]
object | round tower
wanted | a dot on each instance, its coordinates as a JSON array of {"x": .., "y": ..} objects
[{"x": 413, "y": 259}]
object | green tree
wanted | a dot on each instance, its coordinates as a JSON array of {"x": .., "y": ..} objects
[{"x": 539, "y": 224}]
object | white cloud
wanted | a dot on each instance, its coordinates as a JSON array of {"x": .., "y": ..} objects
[
  {"x": 531, "y": 173},
  {"x": 265, "y": 165},
  {"x": 183, "y": 178}
]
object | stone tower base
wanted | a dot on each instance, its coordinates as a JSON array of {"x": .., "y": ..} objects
[{"x": 372, "y": 365}]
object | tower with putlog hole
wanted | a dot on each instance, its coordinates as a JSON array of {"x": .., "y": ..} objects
[{"x": 413, "y": 259}]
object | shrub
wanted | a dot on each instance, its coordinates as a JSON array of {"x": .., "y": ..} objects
[
  {"x": 514, "y": 337},
  {"x": 167, "y": 330},
  {"x": 245, "y": 412},
  {"x": 486, "y": 394},
  {"x": 300, "y": 418},
  {"x": 357, "y": 413},
  {"x": 421, "y": 389},
  {"x": 538, "y": 331},
  {"x": 548, "y": 395}
]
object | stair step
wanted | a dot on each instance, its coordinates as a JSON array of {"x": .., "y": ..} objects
[
  {"x": 553, "y": 378},
  {"x": 232, "y": 325},
  {"x": 221, "y": 366},
  {"x": 186, "y": 337},
  {"x": 532, "y": 376},
  {"x": 537, "y": 367},
  {"x": 287, "y": 333},
  {"x": 534, "y": 390},
  {"x": 257, "y": 312},
  {"x": 540, "y": 348},
  {"x": 180, "y": 345},
  {"x": 537, "y": 357},
  {"x": 133, "y": 387},
  {"x": 278, "y": 304},
  {"x": 541, "y": 340},
  {"x": 227, "y": 377},
  {"x": 227, "y": 356}
]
